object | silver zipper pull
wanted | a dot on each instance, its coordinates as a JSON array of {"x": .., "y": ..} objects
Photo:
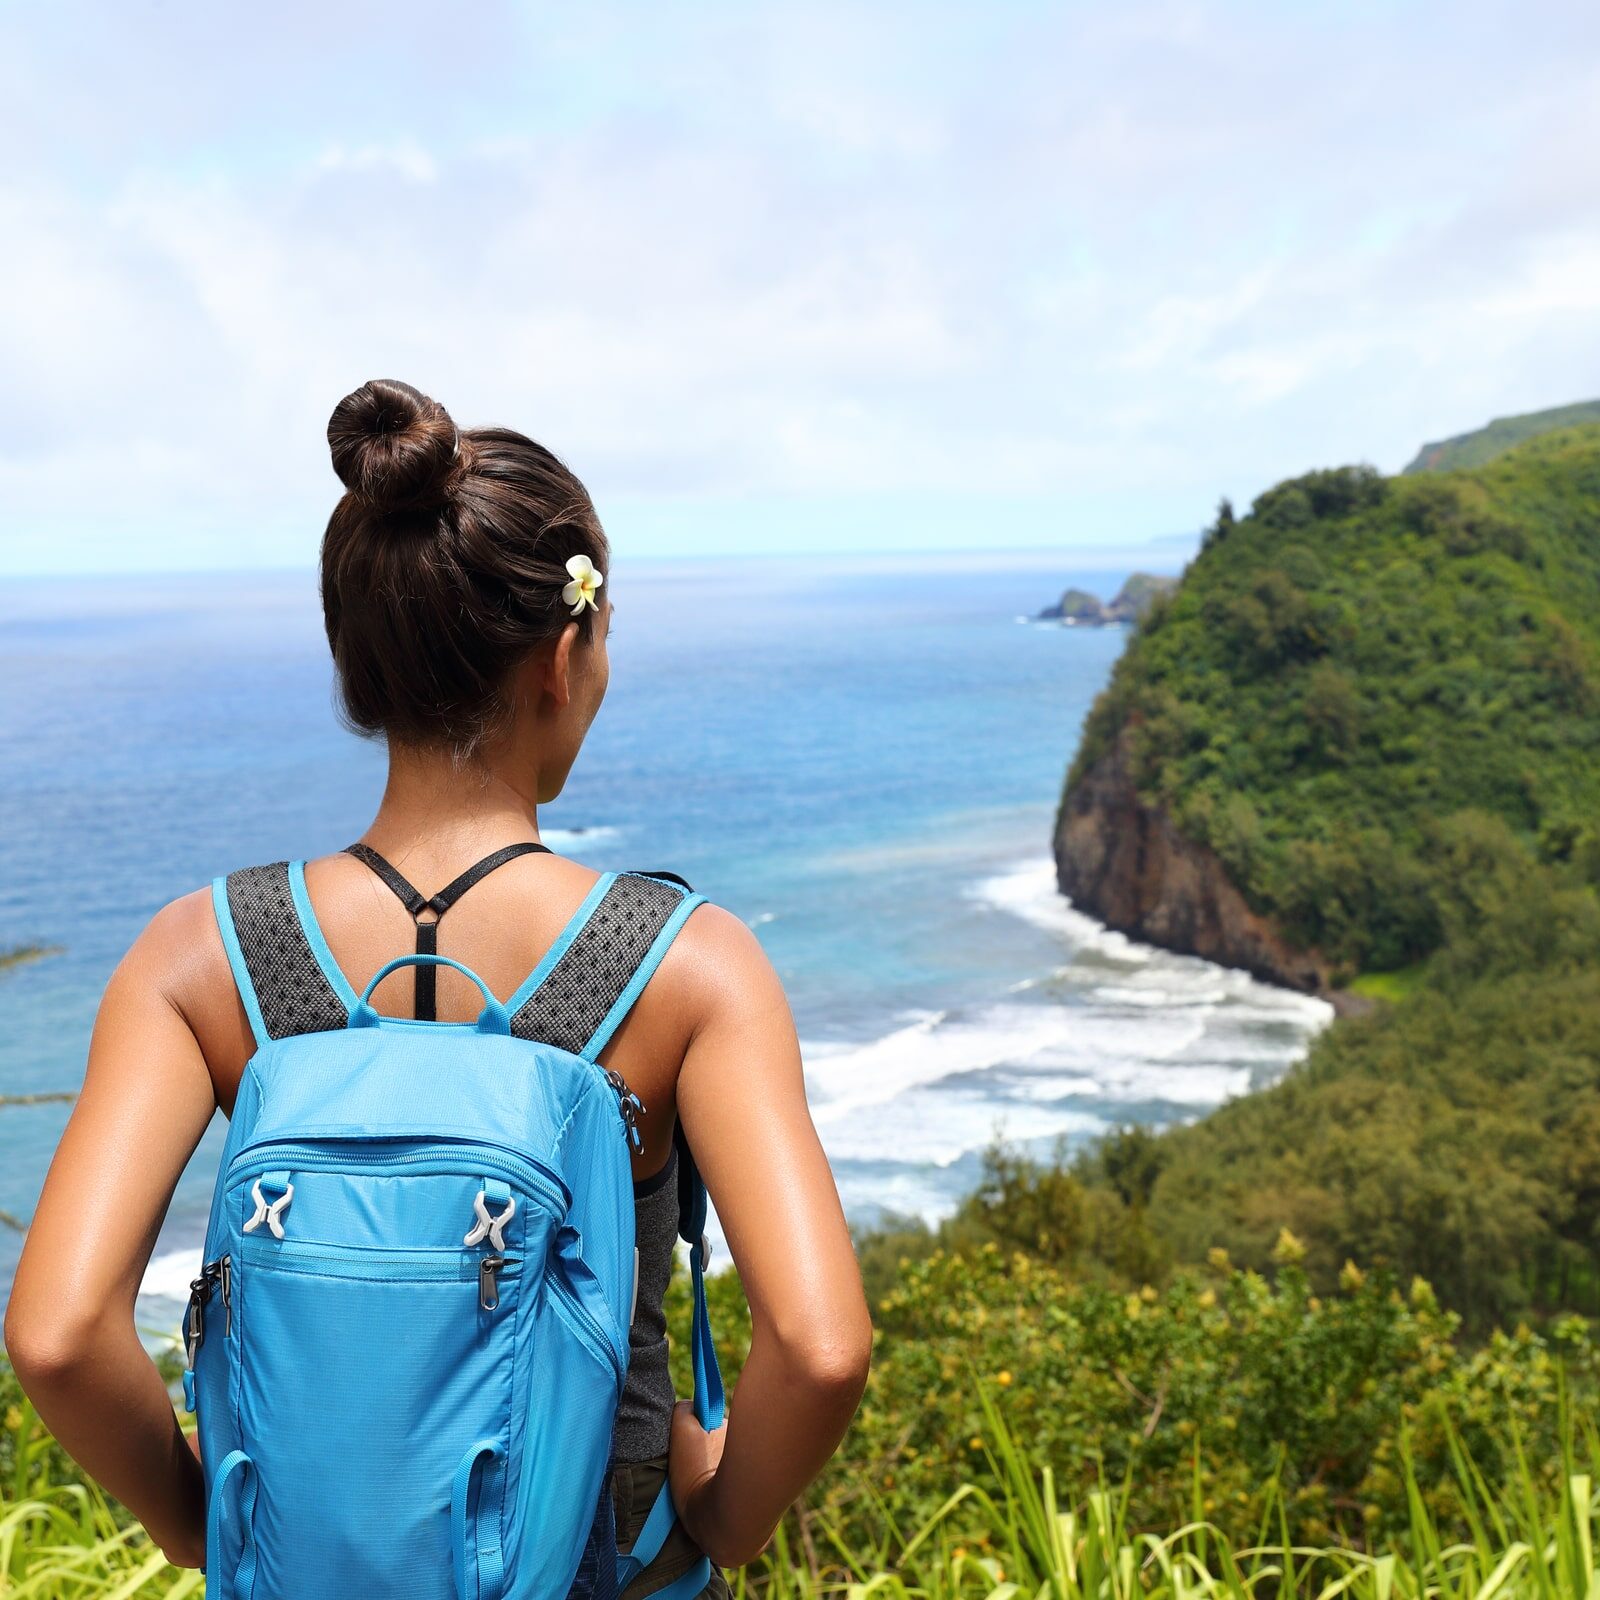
[
  {"x": 199, "y": 1293},
  {"x": 630, "y": 1105},
  {"x": 196, "y": 1330},
  {"x": 488, "y": 1285},
  {"x": 227, "y": 1295}
]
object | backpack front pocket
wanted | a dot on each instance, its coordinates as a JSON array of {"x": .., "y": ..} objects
[{"x": 366, "y": 1374}]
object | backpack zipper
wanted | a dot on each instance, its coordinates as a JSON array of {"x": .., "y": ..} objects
[
  {"x": 566, "y": 1294},
  {"x": 630, "y": 1105},
  {"x": 488, "y": 1283},
  {"x": 425, "y": 1265},
  {"x": 316, "y": 1157}
]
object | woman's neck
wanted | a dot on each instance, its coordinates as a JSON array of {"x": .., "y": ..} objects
[{"x": 447, "y": 815}]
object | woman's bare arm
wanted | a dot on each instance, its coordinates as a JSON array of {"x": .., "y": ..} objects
[
  {"x": 70, "y": 1333},
  {"x": 741, "y": 1097}
]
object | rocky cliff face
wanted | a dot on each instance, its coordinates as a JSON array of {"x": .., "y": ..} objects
[{"x": 1123, "y": 862}]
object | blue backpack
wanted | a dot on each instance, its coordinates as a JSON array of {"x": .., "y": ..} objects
[{"x": 410, "y": 1333}]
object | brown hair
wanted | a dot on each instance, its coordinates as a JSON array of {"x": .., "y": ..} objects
[{"x": 443, "y": 564}]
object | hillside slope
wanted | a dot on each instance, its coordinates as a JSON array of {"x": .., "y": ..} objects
[
  {"x": 1484, "y": 444},
  {"x": 1265, "y": 780}
]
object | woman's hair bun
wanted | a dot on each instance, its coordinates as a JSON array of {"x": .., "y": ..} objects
[{"x": 392, "y": 445}]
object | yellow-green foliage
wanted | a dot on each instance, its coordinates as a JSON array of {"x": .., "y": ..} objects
[
  {"x": 61, "y": 1538},
  {"x": 1253, "y": 1395},
  {"x": 1011, "y": 1532}
]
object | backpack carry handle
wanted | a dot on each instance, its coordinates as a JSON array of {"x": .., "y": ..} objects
[{"x": 494, "y": 1018}]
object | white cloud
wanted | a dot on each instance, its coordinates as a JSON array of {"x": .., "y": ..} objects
[
  {"x": 1126, "y": 258},
  {"x": 407, "y": 158}
]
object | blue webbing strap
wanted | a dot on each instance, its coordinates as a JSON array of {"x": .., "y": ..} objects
[
  {"x": 241, "y": 973},
  {"x": 651, "y": 1537},
  {"x": 475, "y": 1549},
  {"x": 689, "y": 1585},
  {"x": 709, "y": 1398},
  {"x": 241, "y": 1582}
]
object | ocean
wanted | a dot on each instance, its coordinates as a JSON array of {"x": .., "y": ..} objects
[{"x": 859, "y": 759}]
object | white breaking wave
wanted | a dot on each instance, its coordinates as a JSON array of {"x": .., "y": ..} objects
[
  {"x": 1120, "y": 1029},
  {"x": 1028, "y": 890},
  {"x": 169, "y": 1274},
  {"x": 847, "y": 1079}
]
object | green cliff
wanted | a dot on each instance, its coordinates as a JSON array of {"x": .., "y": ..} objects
[
  {"x": 1360, "y": 748},
  {"x": 1267, "y": 779}
]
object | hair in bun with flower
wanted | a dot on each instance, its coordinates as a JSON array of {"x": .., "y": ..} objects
[{"x": 451, "y": 555}]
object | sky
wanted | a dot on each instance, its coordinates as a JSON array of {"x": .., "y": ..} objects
[{"x": 808, "y": 278}]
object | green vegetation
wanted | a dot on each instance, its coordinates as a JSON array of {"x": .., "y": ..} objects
[
  {"x": 1379, "y": 703},
  {"x": 1361, "y": 659},
  {"x": 1484, "y": 444},
  {"x": 1025, "y": 1427},
  {"x": 1251, "y": 1399},
  {"x": 17, "y": 955}
]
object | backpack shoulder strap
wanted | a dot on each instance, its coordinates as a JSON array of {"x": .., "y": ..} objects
[
  {"x": 280, "y": 980},
  {"x": 606, "y": 957}
]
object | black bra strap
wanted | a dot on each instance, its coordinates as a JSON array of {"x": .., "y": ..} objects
[
  {"x": 416, "y": 903},
  {"x": 410, "y": 898}
]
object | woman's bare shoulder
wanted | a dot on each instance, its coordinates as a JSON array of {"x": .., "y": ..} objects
[
  {"x": 180, "y": 939},
  {"x": 722, "y": 965},
  {"x": 179, "y": 954}
]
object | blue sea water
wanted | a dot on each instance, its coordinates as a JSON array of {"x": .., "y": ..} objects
[{"x": 862, "y": 761}]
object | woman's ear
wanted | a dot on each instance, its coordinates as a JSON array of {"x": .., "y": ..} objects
[
  {"x": 547, "y": 672},
  {"x": 558, "y": 666}
]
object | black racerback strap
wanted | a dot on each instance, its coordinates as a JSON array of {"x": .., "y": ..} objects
[{"x": 416, "y": 903}]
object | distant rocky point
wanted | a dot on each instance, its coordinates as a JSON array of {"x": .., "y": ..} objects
[{"x": 1079, "y": 608}]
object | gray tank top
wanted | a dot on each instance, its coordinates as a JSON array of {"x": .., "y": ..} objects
[{"x": 300, "y": 990}]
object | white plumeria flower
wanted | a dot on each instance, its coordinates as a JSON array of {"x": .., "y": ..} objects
[{"x": 585, "y": 580}]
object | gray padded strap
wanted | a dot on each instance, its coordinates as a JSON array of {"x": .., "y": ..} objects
[
  {"x": 595, "y": 968},
  {"x": 291, "y": 988}
]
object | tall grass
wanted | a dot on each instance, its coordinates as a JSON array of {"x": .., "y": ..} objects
[
  {"x": 1523, "y": 1543},
  {"x": 65, "y": 1541},
  {"x": 61, "y": 1538}
]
